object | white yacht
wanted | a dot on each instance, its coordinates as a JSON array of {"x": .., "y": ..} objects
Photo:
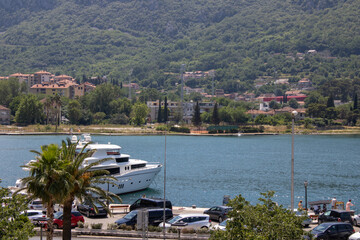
[{"x": 132, "y": 174}]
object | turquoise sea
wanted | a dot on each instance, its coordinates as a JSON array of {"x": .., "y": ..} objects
[{"x": 202, "y": 169}]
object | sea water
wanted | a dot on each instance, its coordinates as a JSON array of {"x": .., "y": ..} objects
[{"x": 201, "y": 170}]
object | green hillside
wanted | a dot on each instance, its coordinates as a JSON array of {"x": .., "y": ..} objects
[{"x": 241, "y": 39}]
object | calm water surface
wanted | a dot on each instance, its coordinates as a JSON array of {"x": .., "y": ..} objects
[{"x": 201, "y": 170}]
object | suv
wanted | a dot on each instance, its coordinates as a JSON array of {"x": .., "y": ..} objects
[
  {"x": 335, "y": 215},
  {"x": 218, "y": 213},
  {"x": 333, "y": 230},
  {"x": 150, "y": 203},
  {"x": 156, "y": 215},
  {"x": 89, "y": 210},
  {"x": 195, "y": 221}
]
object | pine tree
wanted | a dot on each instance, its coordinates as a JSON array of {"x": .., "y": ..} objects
[
  {"x": 330, "y": 102},
  {"x": 356, "y": 101},
  {"x": 159, "y": 112},
  {"x": 166, "y": 114},
  {"x": 196, "y": 118},
  {"x": 215, "y": 115}
]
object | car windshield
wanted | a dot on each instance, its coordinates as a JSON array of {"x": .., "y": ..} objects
[
  {"x": 320, "y": 228},
  {"x": 57, "y": 215},
  {"x": 223, "y": 223},
  {"x": 130, "y": 215},
  {"x": 174, "y": 219},
  {"x": 36, "y": 202}
]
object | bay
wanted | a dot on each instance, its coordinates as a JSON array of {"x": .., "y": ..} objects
[{"x": 202, "y": 169}]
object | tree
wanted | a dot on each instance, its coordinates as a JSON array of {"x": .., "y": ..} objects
[
  {"x": 196, "y": 117},
  {"x": 47, "y": 180},
  {"x": 139, "y": 113},
  {"x": 159, "y": 118},
  {"x": 14, "y": 225},
  {"x": 166, "y": 112},
  {"x": 330, "y": 102},
  {"x": 74, "y": 111},
  {"x": 316, "y": 110},
  {"x": 293, "y": 103},
  {"x": 355, "y": 101},
  {"x": 265, "y": 220},
  {"x": 56, "y": 100},
  {"x": 215, "y": 115},
  {"x": 274, "y": 105},
  {"x": 30, "y": 111},
  {"x": 82, "y": 181}
]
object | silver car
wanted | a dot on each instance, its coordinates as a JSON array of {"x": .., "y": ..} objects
[{"x": 195, "y": 221}]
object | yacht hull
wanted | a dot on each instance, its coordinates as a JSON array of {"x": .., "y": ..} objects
[{"x": 133, "y": 181}]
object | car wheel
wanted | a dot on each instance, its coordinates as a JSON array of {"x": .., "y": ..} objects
[
  {"x": 204, "y": 227},
  {"x": 220, "y": 219},
  {"x": 56, "y": 226}
]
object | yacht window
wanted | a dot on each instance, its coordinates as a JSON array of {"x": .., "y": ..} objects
[
  {"x": 113, "y": 152},
  {"x": 119, "y": 160},
  {"x": 135, "y": 166},
  {"x": 113, "y": 170}
]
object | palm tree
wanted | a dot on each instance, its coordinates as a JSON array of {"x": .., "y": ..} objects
[
  {"x": 56, "y": 99},
  {"x": 48, "y": 105},
  {"x": 83, "y": 181},
  {"x": 46, "y": 180}
]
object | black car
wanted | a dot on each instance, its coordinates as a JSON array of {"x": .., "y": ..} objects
[
  {"x": 333, "y": 230},
  {"x": 156, "y": 216},
  {"x": 218, "y": 213},
  {"x": 150, "y": 203},
  {"x": 89, "y": 210},
  {"x": 336, "y": 215}
]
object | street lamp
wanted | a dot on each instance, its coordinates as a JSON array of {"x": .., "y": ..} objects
[
  {"x": 305, "y": 185},
  {"x": 293, "y": 114}
]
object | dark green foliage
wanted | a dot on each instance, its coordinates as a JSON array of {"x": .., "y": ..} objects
[
  {"x": 293, "y": 103},
  {"x": 356, "y": 102},
  {"x": 159, "y": 118},
  {"x": 13, "y": 225},
  {"x": 196, "y": 120},
  {"x": 30, "y": 111},
  {"x": 106, "y": 37},
  {"x": 215, "y": 115},
  {"x": 330, "y": 102},
  {"x": 166, "y": 112}
]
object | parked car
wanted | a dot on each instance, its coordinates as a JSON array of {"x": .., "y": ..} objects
[
  {"x": 333, "y": 230},
  {"x": 36, "y": 204},
  {"x": 221, "y": 226},
  {"x": 356, "y": 220},
  {"x": 75, "y": 218},
  {"x": 195, "y": 221},
  {"x": 156, "y": 215},
  {"x": 150, "y": 203},
  {"x": 89, "y": 210},
  {"x": 355, "y": 236},
  {"x": 218, "y": 213},
  {"x": 307, "y": 220},
  {"x": 336, "y": 215},
  {"x": 32, "y": 214}
]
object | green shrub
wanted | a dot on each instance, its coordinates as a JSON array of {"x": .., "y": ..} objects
[
  {"x": 203, "y": 231},
  {"x": 154, "y": 229},
  {"x": 162, "y": 128},
  {"x": 125, "y": 227},
  {"x": 172, "y": 230},
  {"x": 188, "y": 230},
  {"x": 80, "y": 224},
  {"x": 112, "y": 226},
  {"x": 96, "y": 225}
]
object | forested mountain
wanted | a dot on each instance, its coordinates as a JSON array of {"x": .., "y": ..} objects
[{"x": 149, "y": 40}]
